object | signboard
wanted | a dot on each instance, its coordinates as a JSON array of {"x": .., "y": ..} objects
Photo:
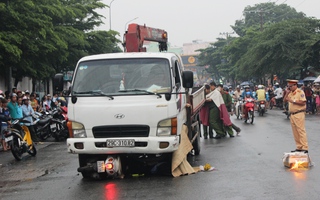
[{"x": 189, "y": 60}]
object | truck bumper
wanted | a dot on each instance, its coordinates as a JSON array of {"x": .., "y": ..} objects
[{"x": 150, "y": 145}]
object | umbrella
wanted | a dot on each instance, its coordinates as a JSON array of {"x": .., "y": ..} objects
[
  {"x": 246, "y": 83},
  {"x": 317, "y": 80},
  {"x": 309, "y": 78}
]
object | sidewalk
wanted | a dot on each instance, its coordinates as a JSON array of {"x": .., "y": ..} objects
[{"x": 6, "y": 157}]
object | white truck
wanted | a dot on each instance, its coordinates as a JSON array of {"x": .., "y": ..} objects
[{"x": 126, "y": 108}]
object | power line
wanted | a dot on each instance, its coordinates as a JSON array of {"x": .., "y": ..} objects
[{"x": 301, "y": 3}]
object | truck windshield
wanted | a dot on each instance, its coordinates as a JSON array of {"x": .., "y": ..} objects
[{"x": 122, "y": 77}]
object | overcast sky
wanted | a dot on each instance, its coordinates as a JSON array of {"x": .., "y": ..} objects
[{"x": 188, "y": 20}]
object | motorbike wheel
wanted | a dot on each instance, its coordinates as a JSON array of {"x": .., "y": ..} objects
[
  {"x": 16, "y": 150},
  {"x": 56, "y": 138},
  {"x": 250, "y": 117},
  {"x": 60, "y": 133},
  {"x": 32, "y": 151},
  {"x": 44, "y": 134},
  {"x": 56, "y": 135},
  {"x": 238, "y": 112}
]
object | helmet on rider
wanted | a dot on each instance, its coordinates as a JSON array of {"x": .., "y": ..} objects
[
  {"x": 248, "y": 93},
  {"x": 260, "y": 86},
  {"x": 246, "y": 87},
  {"x": 226, "y": 89}
]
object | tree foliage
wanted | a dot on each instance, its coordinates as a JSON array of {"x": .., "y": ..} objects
[
  {"x": 264, "y": 14},
  {"x": 39, "y": 38},
  {"x": 288, "y": 44},
  {"x": 283, "y": 49}
]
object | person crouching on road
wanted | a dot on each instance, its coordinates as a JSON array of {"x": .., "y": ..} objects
[
  {"x": 297, "y": 108},
  {"x": 228, "y": 102},
  {"x": 219, "y": 116}
]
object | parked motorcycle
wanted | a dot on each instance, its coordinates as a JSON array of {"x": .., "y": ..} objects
[
  {"x": 249, "y": 110},
  {"x": 42, "y": 124},
  {"x": 19, "y": 139},
  {"x": 58, "y": 125},
  {"x": 261, "y": 107}
]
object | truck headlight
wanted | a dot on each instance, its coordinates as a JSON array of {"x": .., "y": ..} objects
[
  {"x": 167, "y": 127},
  {"x": 76, "y": 130}
]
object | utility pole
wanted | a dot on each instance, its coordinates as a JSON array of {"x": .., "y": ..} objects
[
  {"x": 110, "y": 14},
  {"x": 261, "y": 13},
  {"x": 227, "y": 34},
  {"x": 9, "y": 69}
]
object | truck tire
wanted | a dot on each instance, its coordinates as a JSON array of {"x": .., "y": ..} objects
[
  {"x": 196, "y": 145},
  {"x": 196, "y": 142},
  {"x": 83, "y": 162}
]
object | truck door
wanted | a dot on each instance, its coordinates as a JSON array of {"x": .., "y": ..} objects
[{"x": 180, "y": 97}]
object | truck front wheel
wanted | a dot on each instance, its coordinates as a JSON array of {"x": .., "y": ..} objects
[{"x": 82, "y": 163}]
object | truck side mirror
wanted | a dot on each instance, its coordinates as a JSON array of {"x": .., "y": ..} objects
[
  {"x": 58, "y": 82},
  {"x": 187, "y": 79}
]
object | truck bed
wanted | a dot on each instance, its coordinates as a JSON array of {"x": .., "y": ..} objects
[{"x": 197, "y": 99}]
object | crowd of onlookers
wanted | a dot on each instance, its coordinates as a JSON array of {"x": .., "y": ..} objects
[{"x": 19, "y": 104}]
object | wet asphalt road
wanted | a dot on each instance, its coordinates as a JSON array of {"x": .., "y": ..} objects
[{"x": 246, "y": 167}]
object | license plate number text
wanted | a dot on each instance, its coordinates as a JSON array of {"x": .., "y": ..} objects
[{"x": 120, "y": 143}]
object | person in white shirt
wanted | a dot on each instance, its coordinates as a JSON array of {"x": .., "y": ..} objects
[{"x": 278, "y": 95}]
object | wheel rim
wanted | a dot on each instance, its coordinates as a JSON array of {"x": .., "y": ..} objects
[
  {"x": 251, "y": 117},
  {"x": 15, "y": 149}
]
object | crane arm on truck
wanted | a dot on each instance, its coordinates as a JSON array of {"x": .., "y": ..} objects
[{"x": 137, "y": 34}]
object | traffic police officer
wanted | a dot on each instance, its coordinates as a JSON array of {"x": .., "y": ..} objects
[{"x": 297, "y": 109}]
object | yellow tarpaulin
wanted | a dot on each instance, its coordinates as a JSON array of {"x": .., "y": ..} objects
[{"x": 180, "y": 165}]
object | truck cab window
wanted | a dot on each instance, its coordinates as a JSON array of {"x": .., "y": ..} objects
[
  {"x": 177, "y": 78},
  {"x": 122, "y": 76}
]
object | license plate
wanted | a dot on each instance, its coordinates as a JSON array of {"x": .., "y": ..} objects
[
  {"x": 8, "y": 139},
  {"x": 262, "y": 105},
  {"x": 101, "y": 166},
  {"x": 52, "y": 126},
  {"x": 120, "y": 143}
]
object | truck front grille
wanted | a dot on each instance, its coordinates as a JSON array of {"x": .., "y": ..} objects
[{"x": 120, "y": 131}]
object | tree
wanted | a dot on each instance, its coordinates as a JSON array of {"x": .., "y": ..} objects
[
  {"x": 215, "y": 57},
  {"x": 264, "y": 14},
  {"x": 287, "y": 43},
  {"x": 283, "y": 49},
  {"x": 39, "y": 38}
]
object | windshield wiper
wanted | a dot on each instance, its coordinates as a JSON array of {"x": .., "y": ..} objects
[
  {"x": 138, "y": 90},
  {"x": 94, "y": 92}
]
